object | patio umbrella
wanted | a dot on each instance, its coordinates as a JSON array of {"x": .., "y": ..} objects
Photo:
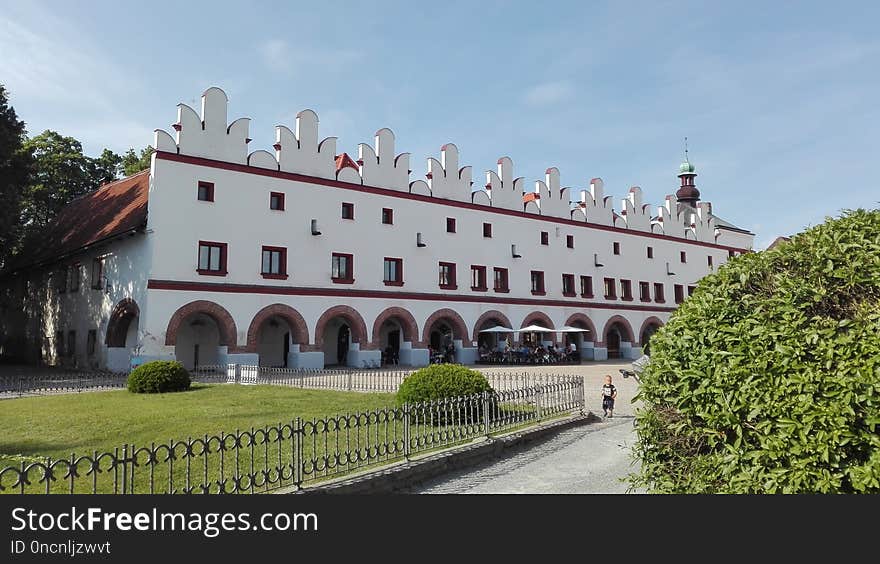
[
  {"x": 570, "y": 329},
  {"x": 535, "y": 329},
  {"x": 497, "y": 329}
]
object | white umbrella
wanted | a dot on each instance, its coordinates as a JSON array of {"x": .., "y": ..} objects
[
  {"x": 535, "y": 329},
  {"x": 570, "y": 329},
  {"x": 497, "y": 329}
]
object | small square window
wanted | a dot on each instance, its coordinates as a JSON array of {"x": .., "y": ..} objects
[
  {"x": 450, "y": 225},
  {"x": 626, "y": 290},
  {"x": 650, "y": 252},
  {"x": 616, "y": 248},
  {"x": 569, "y": 241},
  {"x": 274, "y": 262},
  {"x": 658, "y": 293},
  {"x": 487, "y": 230},
  {"x": 568, "y": 285},
  {"x": 538, "y": 288},
  {"x": 206, "y": 191},
  {"x": 586, "y": 286},
  {"x": 393, "y": 271},
  {"x": 644, "y": 291},
  {"x": 500, "y": 284},
  {"x": 679, "y": 293},
  {"x": 342, "y": 268},
  {"x": 709, "y": 260},
  {"x": 387, "y": 216},
  {"x": 545, "y": 238},
  {"x": 447, "y": 276},
  {"x": 276, "y": 201},
  {"x": 683, "y": 257},
  {"x": 478, "y": 278},
  {"x": 212, "y": 258},
  {"x": 347, "y": 210},
  {"x": 610, "y": 289}
]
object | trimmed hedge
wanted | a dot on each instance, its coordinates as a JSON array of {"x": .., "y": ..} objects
[
  {"x": 159, "y": 376},
  {"x": 439, "y": 381},
  {"x": 767, "y": 379}
]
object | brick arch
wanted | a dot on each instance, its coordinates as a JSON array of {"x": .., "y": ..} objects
[
  {"x": 622, "y": 320},
  {"x": 653, "y": 320},
  {"x": 459, "y": 327},
  {"x": 407, "y": 325},
  {"x": 585, "y": 320},
  {"x": 491, "y": 314},
  {"x": 544, "y": 320},
  {"x": 224, "y": 321},
  {"x": 355, "y": 323},
  {"x": 120, "y": 319},
  {"x": 298, "y": 327}
]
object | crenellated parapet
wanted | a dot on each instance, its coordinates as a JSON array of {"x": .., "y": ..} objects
[{"x": 209, "y": 135}]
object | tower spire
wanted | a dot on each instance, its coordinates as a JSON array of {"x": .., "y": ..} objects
[{"x": 687, "y": 193}]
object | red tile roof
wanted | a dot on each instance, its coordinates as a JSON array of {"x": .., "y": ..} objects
[
  {"x": 343, "y": 161},
  {"x": 113, "y": 209}
]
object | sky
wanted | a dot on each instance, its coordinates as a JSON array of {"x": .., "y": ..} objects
[{"x": 780, "y": 101}]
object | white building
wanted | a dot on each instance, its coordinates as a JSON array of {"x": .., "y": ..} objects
[{"x": 304, "y": 257}]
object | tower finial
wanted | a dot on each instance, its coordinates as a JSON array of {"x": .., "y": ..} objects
[{"x": 686, "y": 150}]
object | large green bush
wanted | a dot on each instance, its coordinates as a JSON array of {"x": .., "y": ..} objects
[
  {"x": 767, "y": 379},
  {"x": 158, "y": 376},
  {"x": 439, "y": 381}
]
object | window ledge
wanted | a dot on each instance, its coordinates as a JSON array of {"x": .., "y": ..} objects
[
  {"x": 610, "y": 297},
  {"x": 660, "y": 301},
  {"x": 274, "y": 276},
  {"x": 393, "y": 283},
  {"x": 212, "y": 272},
  {"x": 587, "y": 295},
  {"x": 539, "y": 293},
  {"x": 626, "y": 299},
  {"x": 342, "y": 280},
  {"x": 646, "y": 300},
  {"x": 502, "y": 290},
  {"x": 569, "y": 294},
  {"x": 479, "y": 288},
  {"x": 449, "y": 286}
]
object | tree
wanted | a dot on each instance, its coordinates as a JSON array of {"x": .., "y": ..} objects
[
  {"x": 15, "y": 165},
  {"x": 767, "y": 378},
  {"x": 132, "y": 163},
  {"x": 105, "y": 168}
]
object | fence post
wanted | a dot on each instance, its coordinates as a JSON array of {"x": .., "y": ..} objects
[
  {"x": 486, "y": 412},
  {"x": 124, "y": 468},
  {"x": 539, "y": 392},
  {"x": 406, "y": 432},
  {"x": 298, "y": 454},
  {"x": 583, "y": 394},
  {"x": 348, "y": 380}
]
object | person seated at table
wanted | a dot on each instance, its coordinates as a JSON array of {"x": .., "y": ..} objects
[{"x": 484, "y": 352}]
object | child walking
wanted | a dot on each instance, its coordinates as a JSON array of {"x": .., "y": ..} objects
[{"x": 609, "y": 394}]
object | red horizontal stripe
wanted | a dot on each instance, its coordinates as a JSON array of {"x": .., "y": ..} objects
[
  {"x": 201, "y": 161},
  {"x": 386, "y": 295}
]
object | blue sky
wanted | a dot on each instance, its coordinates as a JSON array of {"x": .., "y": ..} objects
[{"x": 780, "y": 101}]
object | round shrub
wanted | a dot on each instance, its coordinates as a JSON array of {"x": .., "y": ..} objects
[
  {"x": 439, "y": 381},
  {"x": 767, "y": 379},
  {"x": 158, "y": 376}
]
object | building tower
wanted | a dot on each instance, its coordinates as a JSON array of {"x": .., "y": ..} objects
[{"x": 687, "y": 194}]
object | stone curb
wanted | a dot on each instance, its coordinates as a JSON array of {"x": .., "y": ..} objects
[{"x": 404, "y": 475}]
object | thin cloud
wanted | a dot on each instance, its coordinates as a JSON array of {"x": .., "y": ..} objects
[
  {"x": 549, "y": 93},
  {"x": 280, "y": 56}
]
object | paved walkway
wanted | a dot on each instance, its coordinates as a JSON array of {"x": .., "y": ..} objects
[{"x": 589, "y": 459}]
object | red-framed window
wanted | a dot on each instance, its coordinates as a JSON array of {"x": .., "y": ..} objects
[
  {"x": 610, "y": 289},
  {"x": 274, "y": 262},
  {"x": 679, "y": 293},
  {"x": 650, "y": 252},
  {"x": 644, "y": 291},
  {"x": 500, "y": 280},
  {"x": 478, "y": 278},
  {"x": 342, "y": 268},
  {"x": 569, "y": 241},
  {"x": 205, "y": 191},
  {"x": 538, "y": 288},
  {"x": 545, "y": 238},
  {"x": 658, "y": 293},
  {"x": 730, "y": 254},
  {"x": 616, "y": 248},
  {"x": 450, "y": 225},
  {"x": 387, "y": 216},
  {"x": 709, "y": 260},
  {"x": 276, "y": 201},
  {"x": 626, "y": 291},
  {"x": 446, "y": 271},
  {"x": 347, "y": 210},
  {"x": 487, "y": 230},
  {"x": 97, "y": 273},
  {"x": 691, "y": 290},
  {"x": 586, "y": 286},
  {"x": 568, "y": 285},
  {"x": 392, "y": 271},
  {"x": 683, "y": 256},
  {"x": 212, "y": 258}
]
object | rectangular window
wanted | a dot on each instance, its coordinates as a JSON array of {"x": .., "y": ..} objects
[
  {"x": 387, "y": 216},
  {"x": 74, "y": 277},
  {"x": 626, "y": 290},
  {"x": 650, "y": 252},
  {"x": 276, "y": 201},
  {"x": 212, "y": 258},
  {"x": 545, "y": 238},
  {"x": 91, "y": 342},
  {"x": 478, "y": 278},
  {"x": 586, "y": 286},
  {"x": 691, "y": 290},
  {"x": 610, "y": 289},
  {"x": 658, "y": 293},
  {"x": 487, "y": 230},
  {"x": 500, "y": 283},
  {"x": 568, "y": 285},
  {"x": 97, "y": 273},
  {"x": 342, "y": 268},
  {"x": 206, "y": 191},
  {"x": 569, "y": 241},
  {"x": 59, "y": 343},
  {"x": 447, "y": 276},
  {"x": 274, "y": 262},
  {"x": 730, "y": 254},
  {"x": 71, "y": 344},
  {"x": 347, "y": 210},
  {"x": 679, "y": 293},
  {"x": 393, "y": 271},
  {"x": 538, "y": 283},
  {"x": 450, "y": 225},
  {"x": 644, "y": 291},
  {"x": 683, "y": 257},
  {"x": 616, "y": 248},
  {"x": 61, "y": 280},
  {"x": 709, "y": 260}
]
